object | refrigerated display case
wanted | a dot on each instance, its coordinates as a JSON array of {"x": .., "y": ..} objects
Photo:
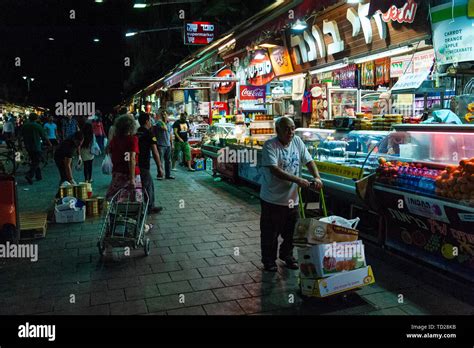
[
  {"x": 343, "y": 102},
  {"x": 425, "y": 188},
  {"x": 312, "y": 137},
  {"x": 217, "y": 137}
]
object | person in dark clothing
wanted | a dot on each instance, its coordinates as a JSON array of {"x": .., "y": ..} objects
[
  {"x": 86, "y": 151},
  {"x": 32, "y": 134},
  {"x": 181, "y": 130},
  {"x": 147, "y": 144},
  {"x": 162, "y": 131},
  {"x": 63, "y": 156}
]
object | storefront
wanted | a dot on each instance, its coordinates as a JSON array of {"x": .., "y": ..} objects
[{"x": 369, "y": 83}]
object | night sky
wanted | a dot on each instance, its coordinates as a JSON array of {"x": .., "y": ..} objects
[{"x": 94, "y": 71}]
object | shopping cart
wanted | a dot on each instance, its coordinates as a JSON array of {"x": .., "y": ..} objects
[{"x": 124, "y": 224}]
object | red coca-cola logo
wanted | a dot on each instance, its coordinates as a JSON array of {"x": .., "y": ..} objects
[
  {"x": 254, "y": 93},
  {"x": 406, "y": 14}
]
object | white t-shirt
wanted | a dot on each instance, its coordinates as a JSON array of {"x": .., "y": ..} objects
[
  {"x": 50, "y": 130},
  {"x": 289, "y": 159}
]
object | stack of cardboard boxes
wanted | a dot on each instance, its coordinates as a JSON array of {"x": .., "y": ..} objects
[{"x": 331, "y": 258}]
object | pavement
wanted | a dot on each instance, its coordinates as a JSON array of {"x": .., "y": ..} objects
[{"x": 204, "y": 261}]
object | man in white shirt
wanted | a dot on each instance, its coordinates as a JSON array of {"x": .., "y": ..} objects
[
  {"x": 8, "y": 128},
  {"x": 282, "y": 157}
]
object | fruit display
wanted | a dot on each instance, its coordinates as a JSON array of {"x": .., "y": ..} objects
[
  {"x": 411, "y": 175},
  {"x": 263, "y": 118},
  {"x": 457, "y": 182},
  {"x": 261, "y": 131}
]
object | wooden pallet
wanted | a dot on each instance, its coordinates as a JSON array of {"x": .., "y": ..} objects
[{"x": 33, "y": 225}]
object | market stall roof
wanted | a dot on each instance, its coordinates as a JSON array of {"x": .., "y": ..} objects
[{"x": 194, "y": 62}]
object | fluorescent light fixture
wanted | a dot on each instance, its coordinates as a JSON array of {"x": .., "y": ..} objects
[
  {"x": 353, "y": 1},
  {"x": 51, "y": 38},
  {"x": 139, "y": 5},
  {"x": 291, "y": 77},
  {"x": 99, "y": 1},
  {"x": 96, "y": 40},
  {"x": 389, "y": 53},
  {"x": 259, "y": 56},
  {"x": 329, "y": 68},
  {"x": 227, "y": 45},
  {"x": 267, "y": 45},
  {"x": 299, "y": 25},
  {"x": 133, "y": 33}
]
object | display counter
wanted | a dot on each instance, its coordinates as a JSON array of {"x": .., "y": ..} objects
[{"x": 425, "y": 188}]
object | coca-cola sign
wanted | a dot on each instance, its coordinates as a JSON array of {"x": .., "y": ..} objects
[
  {"x": 405, "y": 14},
  {"x": 252, "y": 93}
]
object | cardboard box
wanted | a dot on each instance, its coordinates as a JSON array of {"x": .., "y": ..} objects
[
  {"x": 337, "y": 283},
  {"x": 313, "y": 231},
  {"x": 324, "y": 260},
  {"x": 68, "y": 216}
]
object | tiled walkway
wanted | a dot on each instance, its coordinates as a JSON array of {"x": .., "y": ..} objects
[{"x": 204, "y": 260}]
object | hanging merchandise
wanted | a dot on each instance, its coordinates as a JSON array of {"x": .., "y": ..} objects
[
  {"x": 368, "y": 74},
  {"x": 348, "y": 77},
  {"x": 319, "y": 103},
  {"x": 306, "y": 104},
  {"x": 299, "y": 83},
  {"x": 382, "y": 71}
]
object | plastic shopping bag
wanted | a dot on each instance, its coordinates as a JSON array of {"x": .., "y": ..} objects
[
  {"x": 340, "y": 221},
  {"x": 95, "y": 149},
  {"x": 107, "y": 165}
]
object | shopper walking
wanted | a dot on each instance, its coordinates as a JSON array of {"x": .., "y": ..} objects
[
  {"x": 8, "y": 129},
  {"x": 282, "y": 157},
  {"x": 69, "y": 127},
  {"x": 124, "y": 149},
  {"x": 33, "y": 134},
  {"x": 64, "y": 154},
  {"x": 162, "y": 131},
  {"x": 51, "y": 131},
  {"x": 182, "y": 130},
  {"x": 147, "y": 145},
  {"x": 99, "y": 131},
  {"x": 88, "y": 150}
]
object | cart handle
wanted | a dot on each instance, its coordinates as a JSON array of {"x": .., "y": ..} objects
[{"x": 322, "y": 202}]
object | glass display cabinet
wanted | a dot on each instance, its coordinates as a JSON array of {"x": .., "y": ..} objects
[{"x": 312, "y": 137}]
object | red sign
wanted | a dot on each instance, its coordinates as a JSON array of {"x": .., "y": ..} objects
[
  {"x": 252, "y": 92},
  {"x": 199, "y": 33},
  {"x": 224, "y": 87},
  {"x": 260, "y": 70},
  {"x": 405, "y": 14},
  {"x": 220, "y": 106}
]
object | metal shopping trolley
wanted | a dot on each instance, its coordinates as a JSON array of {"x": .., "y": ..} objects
[{"x": 124, "y": 225}]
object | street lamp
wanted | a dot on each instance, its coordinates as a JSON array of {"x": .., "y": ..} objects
[
  {"x": 28, "y": 81},
  {"x": 143, "y": 4},
  {"x": 133, "y": 33}
]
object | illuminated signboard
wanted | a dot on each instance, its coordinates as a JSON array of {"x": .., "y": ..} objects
[{"x": 199, "y": 33}]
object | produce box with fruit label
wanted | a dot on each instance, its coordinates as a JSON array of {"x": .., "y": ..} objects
[
  {"x": 337, "y": 283},
  {"x": 313, "y": 231},
  {"x": 324, "y": 260}
]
